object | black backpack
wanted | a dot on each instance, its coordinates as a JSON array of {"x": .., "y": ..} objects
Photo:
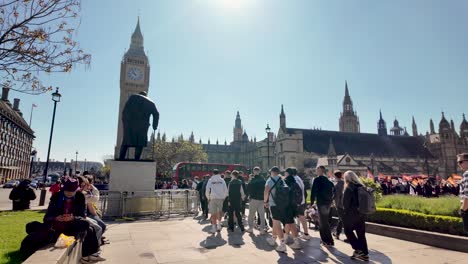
[
  {"x": 296, "y": 194},
  {"x": 282, "y": 194}
]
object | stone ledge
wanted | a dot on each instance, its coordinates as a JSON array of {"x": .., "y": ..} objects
[
  {"x": 48, "y": 255},
  {"x": 439, "y": 240}
]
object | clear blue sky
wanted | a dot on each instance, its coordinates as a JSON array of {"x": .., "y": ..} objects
[{"x": 210, "y": 58}]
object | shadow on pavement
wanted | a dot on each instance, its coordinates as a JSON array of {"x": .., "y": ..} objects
[
  {"x": 213, "y": 241},
  {"x": 235, "y": 239},
  {"x": 260, "y": 242}
]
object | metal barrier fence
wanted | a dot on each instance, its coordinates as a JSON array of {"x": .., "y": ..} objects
[{"x": 157, "y": 204}]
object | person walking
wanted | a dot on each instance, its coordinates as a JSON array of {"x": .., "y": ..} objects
[
  {"x": 201, "y": 188},
  {"x": 22, "y": 195},
  {"x": 302, "y": 207},
  {"x": 338, "y": 199},
  {"x": 216, "y": 192},
  {"x": 244, "y": 188},
  {"x": 227, "y": 180},
  {"x": 462, "y": 160},
  {"x": 256, "y": 189},
  {"x": 235, "y": 198},
  {"x": 296, "y": 197},
  {"x": 322, "y": 192},
  {"x": 353, "y": 221}
]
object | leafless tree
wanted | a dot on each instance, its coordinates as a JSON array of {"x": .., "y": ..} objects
[{"x": 36, "y": 38}]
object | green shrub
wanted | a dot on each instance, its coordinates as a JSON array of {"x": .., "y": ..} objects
[
  {"x": 375, "y": 186},
  {"x": 447, "y": 206},
  {"x": 408, "y": 219}
]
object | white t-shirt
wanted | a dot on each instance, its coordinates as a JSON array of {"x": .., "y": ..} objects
[{"x": 301, "y": 184}]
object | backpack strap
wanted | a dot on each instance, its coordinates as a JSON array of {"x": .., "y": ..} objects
[{"x": 269, "y": 192}]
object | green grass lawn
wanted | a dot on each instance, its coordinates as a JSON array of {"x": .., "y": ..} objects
[
  {"x": 447, "y": 206},
  {"x": 12, "y": 226}
]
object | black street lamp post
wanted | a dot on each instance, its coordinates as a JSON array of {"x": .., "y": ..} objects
[
  {"x": 267, "y": 129},
  {"x": 33, "y": 154},
  {"x": 76, "y": 162},
  {"x": 56, "y": 98}
]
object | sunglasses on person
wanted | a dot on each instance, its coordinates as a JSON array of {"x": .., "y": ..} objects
[{"x": 460, "y": 161}]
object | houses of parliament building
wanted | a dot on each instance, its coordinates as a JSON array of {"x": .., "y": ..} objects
[{"x": 390, "y": 151}]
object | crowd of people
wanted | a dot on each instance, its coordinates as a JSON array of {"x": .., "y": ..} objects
[
  {"x": 280, "y": 203},
  {"x": 72, "y": 211}
]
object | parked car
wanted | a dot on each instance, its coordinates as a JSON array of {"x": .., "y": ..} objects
[
  {"x": 11, "y": 184},
  {"x": 34, "y": 184}
]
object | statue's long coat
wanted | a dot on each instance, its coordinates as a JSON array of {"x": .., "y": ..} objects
[{"x": 135, "y": 119}]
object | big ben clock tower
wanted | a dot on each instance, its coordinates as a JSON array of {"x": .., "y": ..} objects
[{"x": 134, "y": 77}]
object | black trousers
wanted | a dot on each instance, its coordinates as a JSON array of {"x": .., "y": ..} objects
[
  {"x": 204, "y": 206},
  {"x": 356, "y": 223},
  {"x": 339, "y": 226},
  {"x": 324, "y": 226},
  {"x": 235, "y": 209},
  {"x": 464, "y": 215}
]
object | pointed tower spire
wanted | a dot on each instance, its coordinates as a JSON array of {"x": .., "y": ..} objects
[
  {"x": 415, "y": 128},
  {"x": 346, "y": 89},
  {"x": 137, "y": 38},
  {"x": 282, "y": 119},
  {"x": 431, "y": 126}
]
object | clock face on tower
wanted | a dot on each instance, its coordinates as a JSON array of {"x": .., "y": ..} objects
[{"x": 135, "y": 74}]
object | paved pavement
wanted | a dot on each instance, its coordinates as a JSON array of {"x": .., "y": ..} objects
[
  {"x": 5, "y": 203},
  {"x": 183, "y": 241}
]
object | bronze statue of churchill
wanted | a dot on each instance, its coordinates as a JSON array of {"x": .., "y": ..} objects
[{"x": 135, "y": 120}]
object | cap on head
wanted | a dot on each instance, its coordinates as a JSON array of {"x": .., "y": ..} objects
[
  {"x": 256, "y": 169},
  {"x": 215, "y": 171},
  {"x": 275, "y": 169},
  {"x": 462, "y": 157},
  {"x": 338, "y": 173},
  {"x": 70, "y": 185},
  {"x": 291, "y": 171}
]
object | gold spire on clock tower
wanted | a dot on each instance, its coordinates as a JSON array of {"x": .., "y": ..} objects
[{"x": 134, "y": 76}]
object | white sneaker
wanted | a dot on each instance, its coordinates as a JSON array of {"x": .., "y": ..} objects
[
  {"x": 288, "y": 239},
  {"x": 296, "y": 244},
  {"x": 271, "y": 241},
  {"x": 213, "y": 229},
  {"x": 306, "y": 237},
  {"x": 96, "y": 258},
  {"x": 281, "y": 247},
  {"x": 250, "y": 230},
  {"x": 218, "y": 228}
]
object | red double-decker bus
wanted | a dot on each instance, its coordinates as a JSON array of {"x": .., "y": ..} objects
[{"x": 184, "y": 170}]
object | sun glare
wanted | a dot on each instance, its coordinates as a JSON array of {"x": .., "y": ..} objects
[{"x": 233, "y": 4}]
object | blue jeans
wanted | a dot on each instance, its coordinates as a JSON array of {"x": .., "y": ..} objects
[{"x": 99, "y": 222}]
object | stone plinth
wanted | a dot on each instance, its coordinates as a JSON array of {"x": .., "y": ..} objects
[
  {"x": 129, "y": 180},
  {"x": 132, "y": 176}
]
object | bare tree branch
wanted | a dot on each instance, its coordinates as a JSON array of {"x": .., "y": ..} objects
[{"x": 36, "y": 36}]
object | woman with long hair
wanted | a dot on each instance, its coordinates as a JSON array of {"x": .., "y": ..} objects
[{"x": 353, "y": 221}]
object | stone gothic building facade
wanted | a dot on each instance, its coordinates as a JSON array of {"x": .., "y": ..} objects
[{"x": 16, "y": 138}]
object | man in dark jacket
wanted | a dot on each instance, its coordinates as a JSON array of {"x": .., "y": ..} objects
[
  {"x": 322, "y": 192},
  {"x": 338, "y": 199},
  {"x": 201, "y": 188},
  {"x": 244, "y": 188},
  {"x": 21, "y": 195},
  {"x": 256, "y": 189},
  {"x": 235, "y": 198}
]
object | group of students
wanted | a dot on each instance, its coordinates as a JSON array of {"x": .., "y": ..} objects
[
  {"x": 281, "y": 199},
  {"x": 72, "y": 211}
]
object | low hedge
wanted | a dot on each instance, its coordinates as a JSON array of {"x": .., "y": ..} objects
[{"x": 404, "y": 218}]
